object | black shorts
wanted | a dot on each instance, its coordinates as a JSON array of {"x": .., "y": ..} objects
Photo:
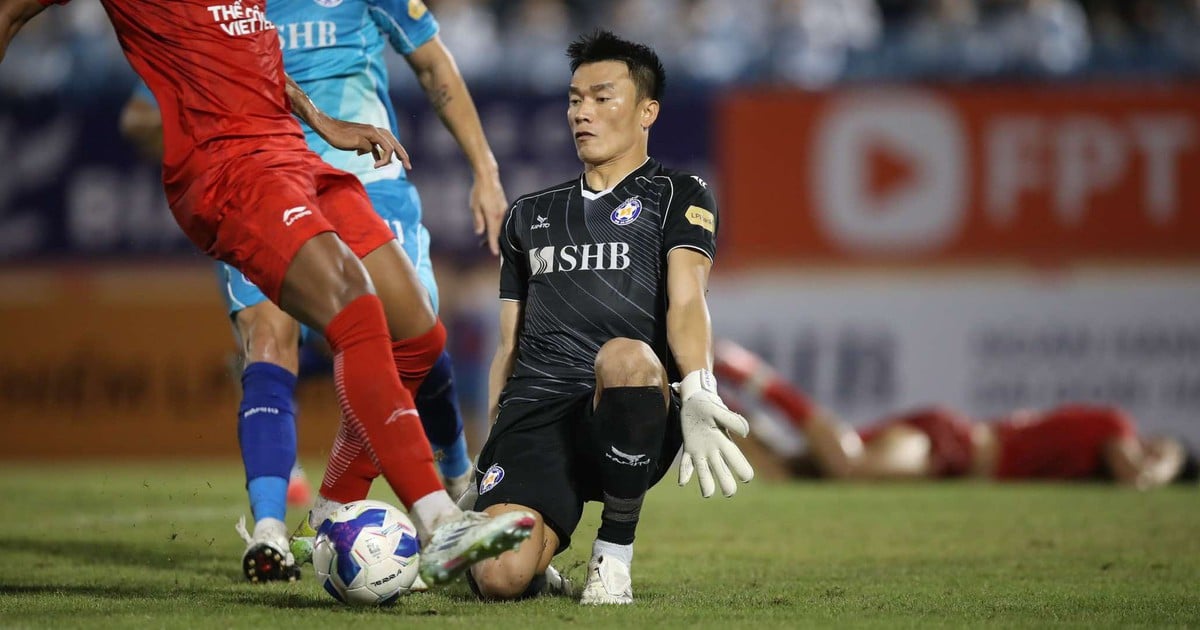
[{"x": 543, "y": 455}]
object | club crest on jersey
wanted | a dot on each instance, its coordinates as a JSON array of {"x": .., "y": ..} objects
[
  {"x": 328, "y": 4},
  {"x": 493, "y": 476},
  {"x": 627, "y": 212}
]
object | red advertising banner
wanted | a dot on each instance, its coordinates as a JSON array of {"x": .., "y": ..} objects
[{"x": 937, "y": 175}]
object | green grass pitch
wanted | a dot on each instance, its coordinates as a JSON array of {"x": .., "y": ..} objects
[{"x": 153, "y": 545}]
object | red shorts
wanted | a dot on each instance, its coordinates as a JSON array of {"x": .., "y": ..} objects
[{"x": 255, "y": 211}]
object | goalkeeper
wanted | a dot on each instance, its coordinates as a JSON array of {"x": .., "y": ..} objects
[{"x": 602, "y": 288}]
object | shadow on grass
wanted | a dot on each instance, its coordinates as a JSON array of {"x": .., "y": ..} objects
[
  {"x": 105, "y": 591},
  {"x": 193, "y": 560}
]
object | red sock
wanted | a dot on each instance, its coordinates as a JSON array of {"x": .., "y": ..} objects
[
  {"x": 351, "y": 471},
  {"x": 415, "y": 357},
  {"x": 378, "y": 412}
]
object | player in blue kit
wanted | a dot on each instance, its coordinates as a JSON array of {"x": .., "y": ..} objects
[{"x": 334, "y": 50}]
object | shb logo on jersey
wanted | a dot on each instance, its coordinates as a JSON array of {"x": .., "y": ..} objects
[
  {"x": 491, "y": 478},
  {"x": 627, "y": 212},
  {"x": 541, "y": 224},
  {"x": 589, "y": 257}
]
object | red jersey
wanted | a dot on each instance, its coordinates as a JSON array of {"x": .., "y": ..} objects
[
  {"x": 216, "y": 69},
  {"x": 1062, "y": 443},
  {"x": 949, "y": 434}
]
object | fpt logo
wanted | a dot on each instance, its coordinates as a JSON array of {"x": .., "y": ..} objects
[
  {"x": 627, "y": 212},
  {"x": 589, "y": 257},
  {"x": 891, "y": 172}
]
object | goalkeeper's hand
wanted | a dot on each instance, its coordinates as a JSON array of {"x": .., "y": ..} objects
[{"x": 707, "y": 449}]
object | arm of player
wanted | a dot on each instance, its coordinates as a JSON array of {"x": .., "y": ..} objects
[
  {"x": 707, "y": 449},
  {"x": 511, "y": 312},
  {"x": 447, "y": 93},
  {"x": 346, "y": 135},
  {"x": 13, "y": 15},
  {"x": 141, "y": 124}
]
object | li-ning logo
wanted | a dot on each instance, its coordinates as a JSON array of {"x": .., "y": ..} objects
[
  {"x": 397, "y": 414},
  {"x": 541, "y": 224},
  {"x": 292, "y": 214},
  {"x": 589, "y": 257}
]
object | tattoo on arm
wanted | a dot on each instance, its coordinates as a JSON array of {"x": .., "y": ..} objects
[{"x": 440, "y": 98}]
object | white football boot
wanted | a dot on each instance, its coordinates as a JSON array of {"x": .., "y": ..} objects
[
  {"x": 557, "y": 584},
  {"x": 268, "y": 557},
  {"x": 469, "y": 538},
  {"x": 608, "y": 582}
]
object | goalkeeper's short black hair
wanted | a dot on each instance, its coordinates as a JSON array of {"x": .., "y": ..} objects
[{"x": 644, "y": 66}]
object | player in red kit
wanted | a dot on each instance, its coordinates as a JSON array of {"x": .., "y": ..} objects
[
  {"x": 244, "y": 187},
  {"x": 1063, "y": 443}
]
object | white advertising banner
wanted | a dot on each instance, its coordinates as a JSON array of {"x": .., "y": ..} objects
[{"x": 987, "y": 342}]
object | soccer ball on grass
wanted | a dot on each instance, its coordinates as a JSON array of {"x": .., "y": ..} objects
[{"x": 366, "y": 553}]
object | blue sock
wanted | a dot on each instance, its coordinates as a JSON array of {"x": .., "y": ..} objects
[
  {"x": 267, "y": 435},
  {"x": 437, "y": 402}
]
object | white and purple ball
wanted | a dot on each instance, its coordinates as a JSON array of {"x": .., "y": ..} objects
[{"x": 366, "y": 553}]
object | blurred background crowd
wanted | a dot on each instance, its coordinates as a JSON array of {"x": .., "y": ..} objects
[
  {"x": 982, "y": 226},
  {"x": 518, "y": 44}
]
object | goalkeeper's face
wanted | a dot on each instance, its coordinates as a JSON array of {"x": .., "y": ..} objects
[{"x": 608, "y": 119}]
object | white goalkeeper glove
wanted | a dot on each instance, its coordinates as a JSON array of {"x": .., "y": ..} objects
[{"x": 707, "y": 449}]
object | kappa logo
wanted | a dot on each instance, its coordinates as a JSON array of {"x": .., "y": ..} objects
[
  {"x": 541, "y": 224},
  {"x": 291, "y": 215},
  {"x": 627, "y": 212},
  {"x": 626, "y": 458},
  {"x": 703, "y": 184},
  {"x": 493, "y": 476}
]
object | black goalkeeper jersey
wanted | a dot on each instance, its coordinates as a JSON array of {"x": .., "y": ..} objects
[{"x": 591, "y": 266}]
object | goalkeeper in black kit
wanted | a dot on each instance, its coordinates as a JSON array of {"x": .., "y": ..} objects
[{"x": 602, "y": 287}]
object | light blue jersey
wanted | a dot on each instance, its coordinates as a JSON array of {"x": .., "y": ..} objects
[{"x": 334, "y": 50}]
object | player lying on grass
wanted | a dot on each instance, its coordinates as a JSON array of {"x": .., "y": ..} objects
[
  {"x": 243, "y": 185},
  {"x": 602, "y": 288},
  {"x": 345, "y": 75},
  {"x": 1066, "y": 442}
]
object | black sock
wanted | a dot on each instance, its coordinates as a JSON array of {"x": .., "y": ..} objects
[{"x": 630, "y": 423}]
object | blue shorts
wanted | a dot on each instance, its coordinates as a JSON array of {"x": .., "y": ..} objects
[{"x": 397, "y": 202}]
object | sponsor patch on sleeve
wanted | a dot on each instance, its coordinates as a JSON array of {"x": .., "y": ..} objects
[{"x": 699, "y": 216}]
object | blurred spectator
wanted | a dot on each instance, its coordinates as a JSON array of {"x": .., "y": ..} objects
[
  {"x": 814, "y": 38},
  {"x": 536, "y": 40},
  {"x": 808, "y": 43},
  {"x": 470, "y": 28},
  {"x": 947, "y": 37},
  {"x": 725, "y": 39},
  {"x": 1048, "y": 36}
]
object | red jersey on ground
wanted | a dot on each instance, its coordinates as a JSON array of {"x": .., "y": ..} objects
[
  {"x": 949, "y": 435},
  {"x": 1062, "y": 443},
  {"x": 216, "y": 69}
]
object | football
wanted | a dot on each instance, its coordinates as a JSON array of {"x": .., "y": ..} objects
[{"x": 366, "y": 553}]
